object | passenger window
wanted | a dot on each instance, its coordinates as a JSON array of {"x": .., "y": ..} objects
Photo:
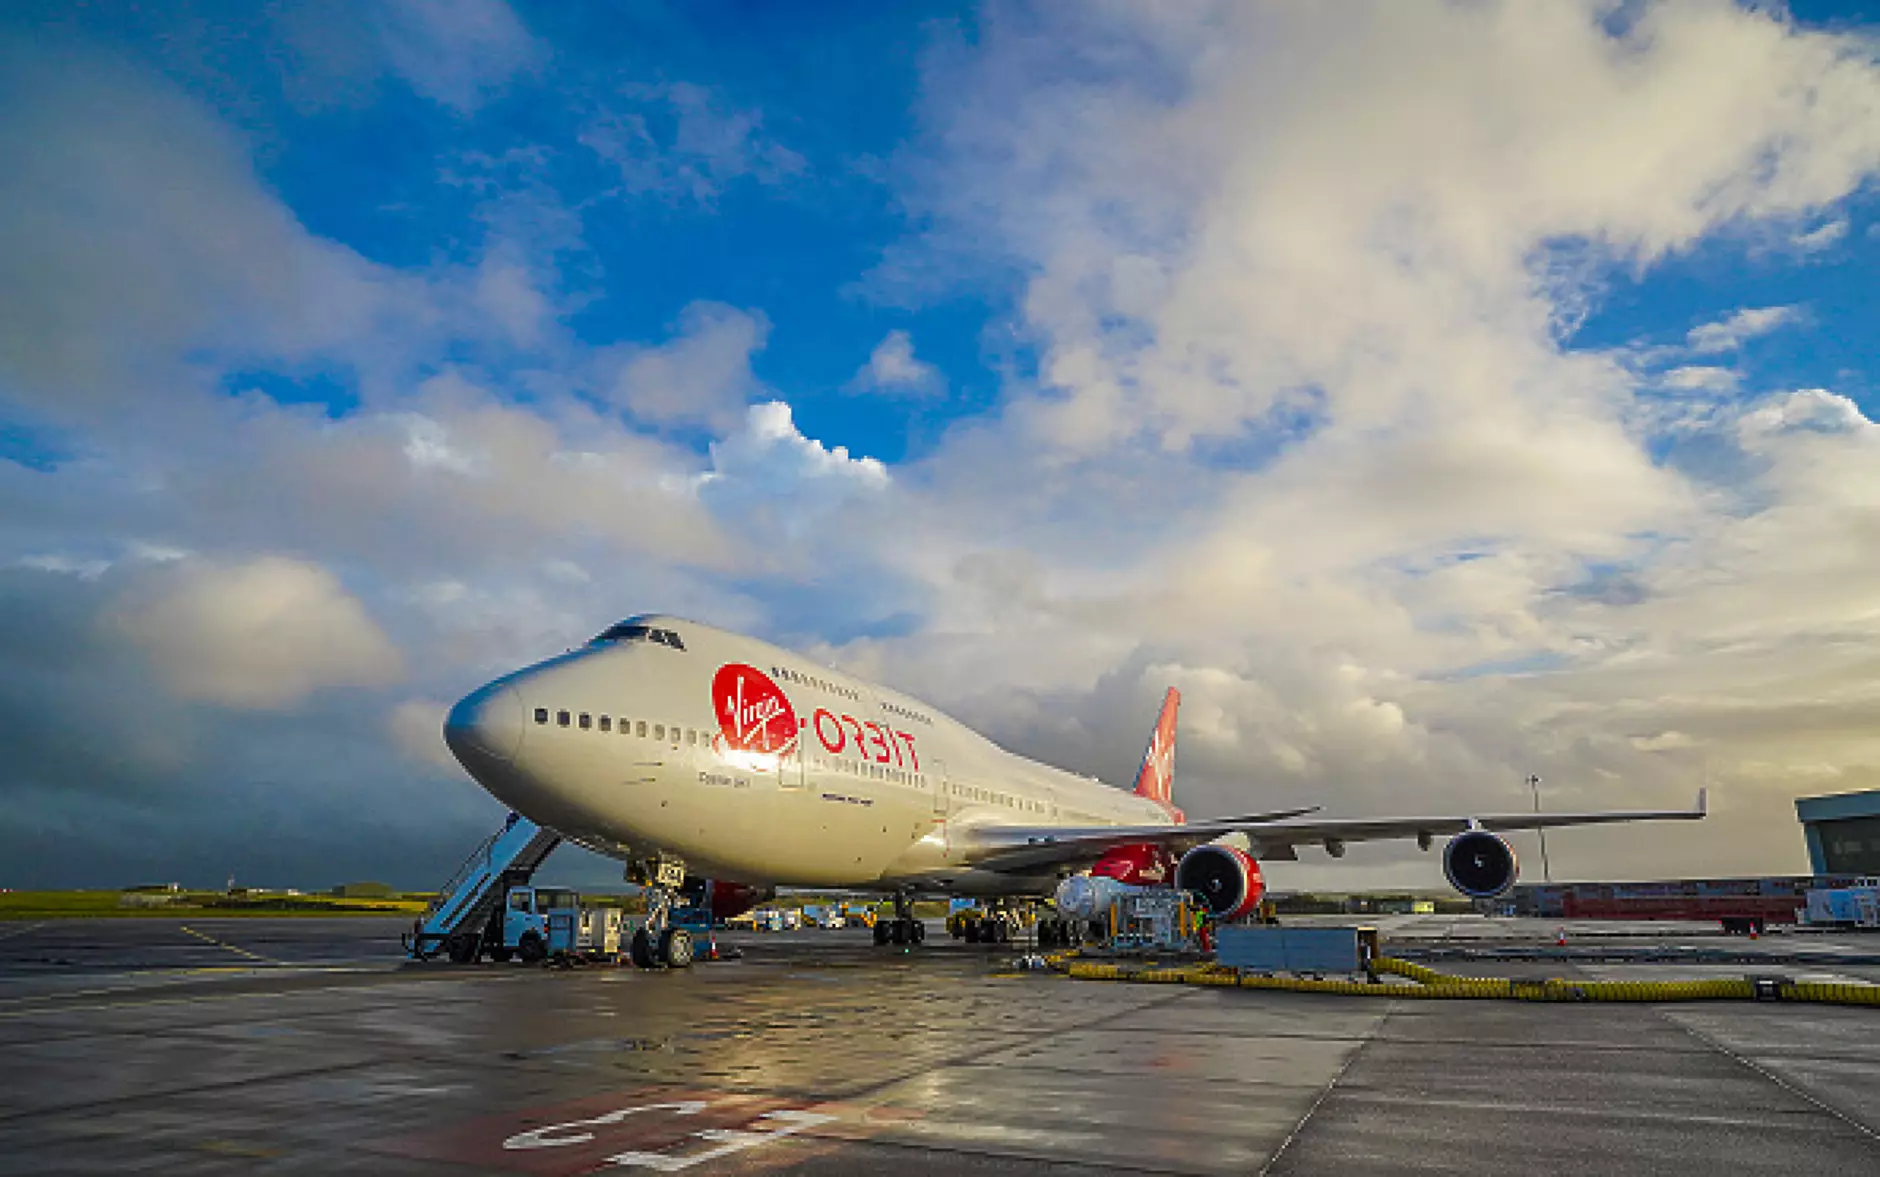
[
  {"x": 659, "y": 731},
  {"x": 607, "y": 724},
  {"x": 541, "y": 715},
  {"x": 626, "y": 727},
  {"x": 561, "y": 718},
  {"x": 587, "y": 721}
]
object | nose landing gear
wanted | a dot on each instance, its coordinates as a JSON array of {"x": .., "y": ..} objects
[{"x": 658, "y": 943}]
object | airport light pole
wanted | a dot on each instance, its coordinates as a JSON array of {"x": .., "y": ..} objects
[{"x": 1534, "y": 783}]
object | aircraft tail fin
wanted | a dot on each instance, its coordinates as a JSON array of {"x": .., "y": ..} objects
[{"x": 1156, "y": 778}]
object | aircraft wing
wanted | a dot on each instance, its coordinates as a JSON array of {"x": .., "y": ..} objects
[{"x": 1272, "y": 836}]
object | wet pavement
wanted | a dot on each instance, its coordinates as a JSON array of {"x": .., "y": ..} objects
[{"x": 302, "y": 1046}]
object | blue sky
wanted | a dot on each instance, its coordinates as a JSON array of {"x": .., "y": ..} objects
[{"x": 1438, "y": 392}]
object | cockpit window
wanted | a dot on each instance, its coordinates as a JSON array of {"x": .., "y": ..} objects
[
  {"x": 626, "y": 631},
  {"x": 634, "y": 631}
]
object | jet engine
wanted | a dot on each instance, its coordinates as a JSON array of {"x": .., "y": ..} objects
[
  {"x": 1479, "y": 864},
  {"x": 1227, "y": 879}
]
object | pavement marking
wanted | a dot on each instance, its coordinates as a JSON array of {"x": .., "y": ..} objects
[
  {"x": 1323, "y": 1095},
  {"x": 1792, "y": 1088},
  {"x": 227, "y": 945},
  {"x": 24, "y": 930}
]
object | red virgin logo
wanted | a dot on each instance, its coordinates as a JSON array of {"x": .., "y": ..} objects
[{"x": 752, "y": 713}]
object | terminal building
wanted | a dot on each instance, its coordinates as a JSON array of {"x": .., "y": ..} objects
[{"x": 1842, "y": 832}]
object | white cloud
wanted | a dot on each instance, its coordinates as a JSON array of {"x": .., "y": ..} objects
[
  {"x": 135, "y": 238},
  {"x": 1305, "y": 428},
  {"x": 771, "y": 456},
  {"x": 1821, "y": 238},
  {"x": 1306, "y": 440},
  {"x": 893, "y": 370},
  {"x": 1731, "y": 333},
  {"x": 417, "y": 729},
  {"x": 1701, "y": 378},
  {"x": 701, "y": 376},
  {"x": 255, "y": 635},
  {"x": 456, "y": 52},
  {"x": 685, "y": 141}
]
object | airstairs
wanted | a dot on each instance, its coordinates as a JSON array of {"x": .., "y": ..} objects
[{"x": 456, "y": 919}]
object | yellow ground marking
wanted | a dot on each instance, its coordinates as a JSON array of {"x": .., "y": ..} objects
[{"x": 227, "y": 945}]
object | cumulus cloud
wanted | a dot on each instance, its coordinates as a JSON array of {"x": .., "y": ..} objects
[
  {"x": 259, "y": 634},
  {"x": 893, "y": 370},
  {"x": 701, "y": 376},
  {"x": 1306, "y": 433},
  {"x": 781, "y": 491},
  {"x": 134, "y": 234}
]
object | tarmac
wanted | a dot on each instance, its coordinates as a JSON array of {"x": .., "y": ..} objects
[{"x": 307, "y": 1046}]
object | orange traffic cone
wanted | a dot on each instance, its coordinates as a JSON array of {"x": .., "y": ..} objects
[{"x": 1560, "y": 938}]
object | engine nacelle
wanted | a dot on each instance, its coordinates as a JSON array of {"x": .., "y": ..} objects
[
  {"x": 724, "y": 899},
  {"x": 729, "y": 899},
  {"x": 1226, "y": 877},
  {"x": 1139, "y": 864},
  {"x": 1479, "y": 864},
  {"x": 1088, "y": 897}
]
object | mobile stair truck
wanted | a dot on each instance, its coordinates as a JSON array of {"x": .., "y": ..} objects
[{"x": 469, "y": 917}]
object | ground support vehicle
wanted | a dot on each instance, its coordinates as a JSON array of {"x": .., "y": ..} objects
[
  {"x": 542, "y": 922},
  {"x": 1856, "y": 906}
]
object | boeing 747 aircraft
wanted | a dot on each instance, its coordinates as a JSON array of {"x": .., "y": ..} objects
[{"x": 683, "y": 749}]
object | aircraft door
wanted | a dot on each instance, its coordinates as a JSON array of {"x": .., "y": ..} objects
[{"x": 940, "y": 787}]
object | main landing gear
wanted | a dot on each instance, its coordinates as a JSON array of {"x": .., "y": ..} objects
[
  {"x": 1060, "y": 933},
  {"x": 657, "y": 943},
  {"x": 999, "y": 925},
  {"x": 903, "y": 928}
]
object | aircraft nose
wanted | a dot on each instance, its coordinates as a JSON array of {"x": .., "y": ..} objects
[{"x": 485, "y": 726}]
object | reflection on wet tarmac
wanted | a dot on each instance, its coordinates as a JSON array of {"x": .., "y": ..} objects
[{"x": 132, "y": 1044}]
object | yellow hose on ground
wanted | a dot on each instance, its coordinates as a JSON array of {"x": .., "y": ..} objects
[{"x": 1431, "y": 984}]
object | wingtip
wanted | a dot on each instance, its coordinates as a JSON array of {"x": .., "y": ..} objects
[{"x": 1703, "y": 801}]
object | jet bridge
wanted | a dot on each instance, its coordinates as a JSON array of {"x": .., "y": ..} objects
[{"x": 457, "y": 919}]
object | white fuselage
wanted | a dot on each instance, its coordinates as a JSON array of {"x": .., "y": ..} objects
[{"x": 634, "y": 748}]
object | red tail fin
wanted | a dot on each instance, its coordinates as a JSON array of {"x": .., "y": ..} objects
[{"x": 1156, "y": 778}]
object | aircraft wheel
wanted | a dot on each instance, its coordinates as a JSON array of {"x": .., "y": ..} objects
[
  {"x": 640, "y": 951},
  {"x": 916, "y": 932},
  {"x": 531, "y": 949},
  {"x": 502, "y": 954},
  {"x": 675, "y": 948},
  {"x": 462, "y": 948},
  {"x": 897, "y": 933},
  {"x": 971, "y": 929},
  {"x": 881, "y": 932}
]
